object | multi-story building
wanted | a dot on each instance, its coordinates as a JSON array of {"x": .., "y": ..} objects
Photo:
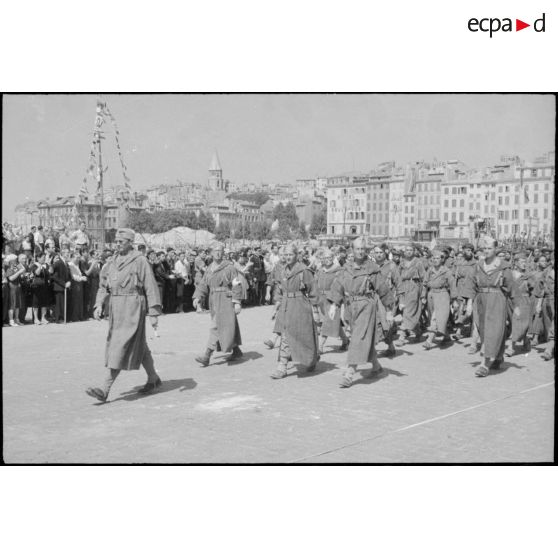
[
  {"x": 347, "y": 206},
  {"x": 27, "y": 215},
  {"x": 399, "y": 183}
]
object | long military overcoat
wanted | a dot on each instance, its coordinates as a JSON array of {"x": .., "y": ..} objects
[
  {"x": 221, "y": 286},
  {"x": 360, "y": 286},
  {"x": 296, "y": 293},
  {"x": 493, "y": 287},
  {"x": 129, "y": 282}
]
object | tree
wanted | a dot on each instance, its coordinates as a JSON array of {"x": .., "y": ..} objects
[
  {"x": 319, "y": 223},
  {"x": 141, "y": 222},
  {"x": 223, "y": 231},
  {"x": 259, "y": 230},
  {"x": 206, "y": 222},
  {"x": 258, "y": 198},
  {"x": 302, "y": 233},
  {"x": 110, "y": 236}
]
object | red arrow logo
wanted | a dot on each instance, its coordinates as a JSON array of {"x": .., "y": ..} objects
[{"x": 519, "y": 25}]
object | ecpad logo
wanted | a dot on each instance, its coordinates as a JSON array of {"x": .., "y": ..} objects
[{"x": 494, "y": 24}]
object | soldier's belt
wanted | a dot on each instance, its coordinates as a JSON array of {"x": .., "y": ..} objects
[
  {"x": 322, "y": 291},
  {"x": 489, "y": 290},
  {"x": 125, "y": 294},
  {"x": 361, "y": 297},
  {"x": 220, "y": 290},
  {"x": 294, "y": 295}
]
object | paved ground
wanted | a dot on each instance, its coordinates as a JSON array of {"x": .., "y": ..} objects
[{"x": 424, "y": 407}]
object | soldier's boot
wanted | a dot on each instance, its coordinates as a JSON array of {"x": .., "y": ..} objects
[
  {"x": 322, "y": 343},
  {"x": 235, "y": 355},
  {"x": 281, "y": 371},
  {"x": 510, "y": 349},
  {"x": 402, "y": 340},
  {"x": 474, "y": 348},
  {"x": 204, "y": 359},
  {"x": 347, "y": 378}
]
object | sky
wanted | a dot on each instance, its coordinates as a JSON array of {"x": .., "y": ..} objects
[{"x": 259, "y": 138}]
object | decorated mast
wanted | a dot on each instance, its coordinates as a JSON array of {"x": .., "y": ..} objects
[{"x": 95, "y": 165}]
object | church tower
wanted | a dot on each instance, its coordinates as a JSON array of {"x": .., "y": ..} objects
[{"x": 215, "y": 180}]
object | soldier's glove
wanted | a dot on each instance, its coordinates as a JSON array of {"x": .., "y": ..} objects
[
  {"x": 237, "y": 308},
  {"x": 331, "y": 311},
  {"x": 97, "y": 312}
]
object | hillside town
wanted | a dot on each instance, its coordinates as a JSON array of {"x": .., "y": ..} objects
[{"x": 511, "y": 199}]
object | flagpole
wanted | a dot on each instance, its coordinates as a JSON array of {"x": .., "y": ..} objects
[{"x": 100, "y": 188}]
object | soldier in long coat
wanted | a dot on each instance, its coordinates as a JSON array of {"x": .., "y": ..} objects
[
  {"x": 297, "y": 315},
  {"x": 462, "y": 269},
  {"x": 492, "y": 283},
  {"x": 543, "y": 322},
  {"x": 411, "y": 273},
  {"x": 440, "y": 290},
  {"x": 221, "y": 288},
  {"x": 128, "y": 279},
  {"x": 360, "y": 284},
  {"x": 324, "y": 279},
  {"x": 272, "y": 286},
  {"x": 524, "y": 302},
  {"x": 390, "y": 273}
]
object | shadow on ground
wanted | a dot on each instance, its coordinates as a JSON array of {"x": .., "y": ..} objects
[
  {"x": 168, "y": 385},
  {"x": 377, "y": 376}
]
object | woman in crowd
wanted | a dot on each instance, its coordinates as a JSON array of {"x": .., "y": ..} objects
[
  {"x": 5, "y": 293},
  {"x": 492, "y": 283},
  {"x": 91, "y": 270},
  {"x": 439, "y": 291},
  {"x": 16, "y": 269},
  {"x": 76, "y": 290},
  {"x": 40, "y": 290}
]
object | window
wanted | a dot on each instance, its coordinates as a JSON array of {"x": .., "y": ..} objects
[
  {"x": 453, "y": 219},
  {"x": 332, "y": 229},
  {"x": 493, "y": 196},
  {"x": 546, "y": 187},
  {"x": 536, "y": 187},
  {"x": 506, "y": 188},
  {"x": 515, "y": 214},
  {"x": 536, "y": 198},
  {"x": 546, "y": 197},
  {"x": 545, "y": 213},
  {"x": 454, "y": 190},
  {"x": 478, "y": 206},
  {"x": 500, "y": 215},
  {"x": 533, "y": 173},
  {"x": 506, "y": 229},
  {"x": 420, "y": 213},
  {"x": 445, "y": 203},
  {"x": 526, "y": 214},
  {"x": 461, "y": 202},
  {"x": 516, "y": 199},
  {"x": 461, "y": 217},
  {"x": 507, "y": 200},
  {"x": 471, "y": 206},
  {"x": 500, "y": 189},
  {"x": 500, "y": 200},
  {"x": 454, "y": 203},
  {"x": 535, "y": 213},
  {"x": 445, "y": 217},
  {"x": 446, "y": 191}
]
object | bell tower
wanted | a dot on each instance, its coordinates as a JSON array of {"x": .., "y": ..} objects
[{"x": 215, "y": 180}]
